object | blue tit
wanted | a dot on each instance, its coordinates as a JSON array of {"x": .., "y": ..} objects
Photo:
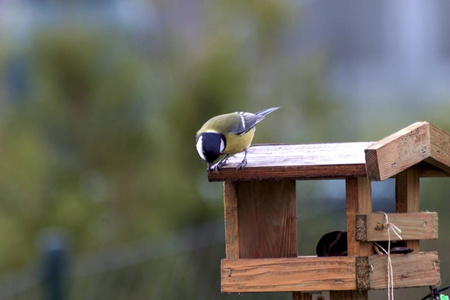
[{"x": 228, "y": 134}]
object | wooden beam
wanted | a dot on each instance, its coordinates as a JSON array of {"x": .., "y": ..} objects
[
  {"x": 414, "y": 226},
  {"x": 440, "y": 148},
  {"x": 288, "y": 274},
  {"x": 410, "y": 146},
  {"x": 410, "y": 270},
  {"x": 418, "y": 144},
  {"x": 309, "y": 161},
  {"x": 398, "y": 151},
  {"x": 231, "y": 220},
  {"x": 359, "y": 201},
  {"x": 407, "y": 198}
]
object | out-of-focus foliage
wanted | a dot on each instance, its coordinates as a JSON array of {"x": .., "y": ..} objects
[{"x": 97, "y": 127}]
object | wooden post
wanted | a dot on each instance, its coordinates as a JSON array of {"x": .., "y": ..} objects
[
  {"x": 407, "y": 198},
  {"x": 359, "y": 201},
  {"x": 231, "y": 220}
]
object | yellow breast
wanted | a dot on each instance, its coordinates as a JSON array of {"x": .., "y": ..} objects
[{"x": 238, "y": 143}]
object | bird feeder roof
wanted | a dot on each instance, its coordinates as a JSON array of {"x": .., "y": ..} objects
[{"x": 421, "y": 144}]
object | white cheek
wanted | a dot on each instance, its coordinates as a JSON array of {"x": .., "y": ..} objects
[
  {"x": 199, "y": 147},
  {"x": 222, "y": 146}
]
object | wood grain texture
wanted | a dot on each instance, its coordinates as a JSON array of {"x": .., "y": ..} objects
[
  {"x": 318, "y": 161},
  {"x": 440, "y": 148},
  {"x": 288, "y": 274},
  {"x": 414, "y": 226},
  {"x": 410, "y": 146},
  {"x": 267, "y": 219},
  {"x": 407, "y": 198},
  {"x": 359, "y": 201},
  {"x": 410, "y": 270},
  {"x": 231, "y": 220},
  {"x": 398, "y": 151},
  {"x": 418, "y": 144}
]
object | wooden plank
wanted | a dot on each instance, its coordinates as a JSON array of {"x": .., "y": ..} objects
[
  {"x": 427, "y": 169},
  {"x": 398, "y": 151},
  {"x": 380, "y": 160},
  {"x": 407, "y": 198},
  {"x": 231, "y": 220},
  {"x": 440, "y": 148},
  {"x": 267, "y": 219},
  {"x": 410, "y": 270},
  {"x": 288, "y": 274},
  {"x": 414, "y": 226},
  {"x": 318, "y": 161}
]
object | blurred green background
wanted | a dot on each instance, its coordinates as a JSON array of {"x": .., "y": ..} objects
[{"x": 100, "y": 102}]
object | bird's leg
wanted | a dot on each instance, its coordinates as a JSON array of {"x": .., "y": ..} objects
[
  {"x": 223, "y": 161},
  {"x": 243, "y": 162}
]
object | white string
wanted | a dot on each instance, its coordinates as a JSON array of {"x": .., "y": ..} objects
[{"x": 397, "y": 231}]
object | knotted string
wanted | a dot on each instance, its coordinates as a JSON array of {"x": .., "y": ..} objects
[{"x": 390, "y": 226}]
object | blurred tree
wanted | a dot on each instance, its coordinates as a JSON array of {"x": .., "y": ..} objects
[{"x": 103, "y": 141}]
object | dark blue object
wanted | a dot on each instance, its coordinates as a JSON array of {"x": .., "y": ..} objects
[{"x": 55, "y": 263}]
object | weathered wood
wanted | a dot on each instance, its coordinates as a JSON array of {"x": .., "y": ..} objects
[
  {"x": 318, "y": 161},
  {"x": 410, "y": 146},
  {"x": 398, "y": 151},
  {"x": 267, "y": 219},
  {"x": 414, "y": 226},
  {"x": 426, "y": 169},
  {"x": 410, "y": 270},
  {"x": 440, "y": 148},
  {"x": 288, "y": 274},
  {"x": 418, "y": 144},
  {"x": 362, "y": 273},
  {"x": 359, "y": 201},
  {"x": 407, "y": 198},
  {"x": 231, "y": 220}
]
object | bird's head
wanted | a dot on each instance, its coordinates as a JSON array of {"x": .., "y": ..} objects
[{"x": 210, "y": 146}]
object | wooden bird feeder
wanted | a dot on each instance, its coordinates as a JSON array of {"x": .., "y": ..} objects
[{"x": 261, "y": 219}]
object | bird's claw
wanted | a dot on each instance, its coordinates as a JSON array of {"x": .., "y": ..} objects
[
  {"x": 242, "y": 165},
  {"x": 216, "y": 168}
]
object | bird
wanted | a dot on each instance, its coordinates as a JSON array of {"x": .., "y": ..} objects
[
  {"x": 228, "y": 134},
  {"x": 334, "y": 243}
]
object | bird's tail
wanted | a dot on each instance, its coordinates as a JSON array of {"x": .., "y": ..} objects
[{"x": 267, "y": 111}]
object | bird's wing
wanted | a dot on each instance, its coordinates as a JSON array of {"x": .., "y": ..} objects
[{"x": 246, "y": 121}]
